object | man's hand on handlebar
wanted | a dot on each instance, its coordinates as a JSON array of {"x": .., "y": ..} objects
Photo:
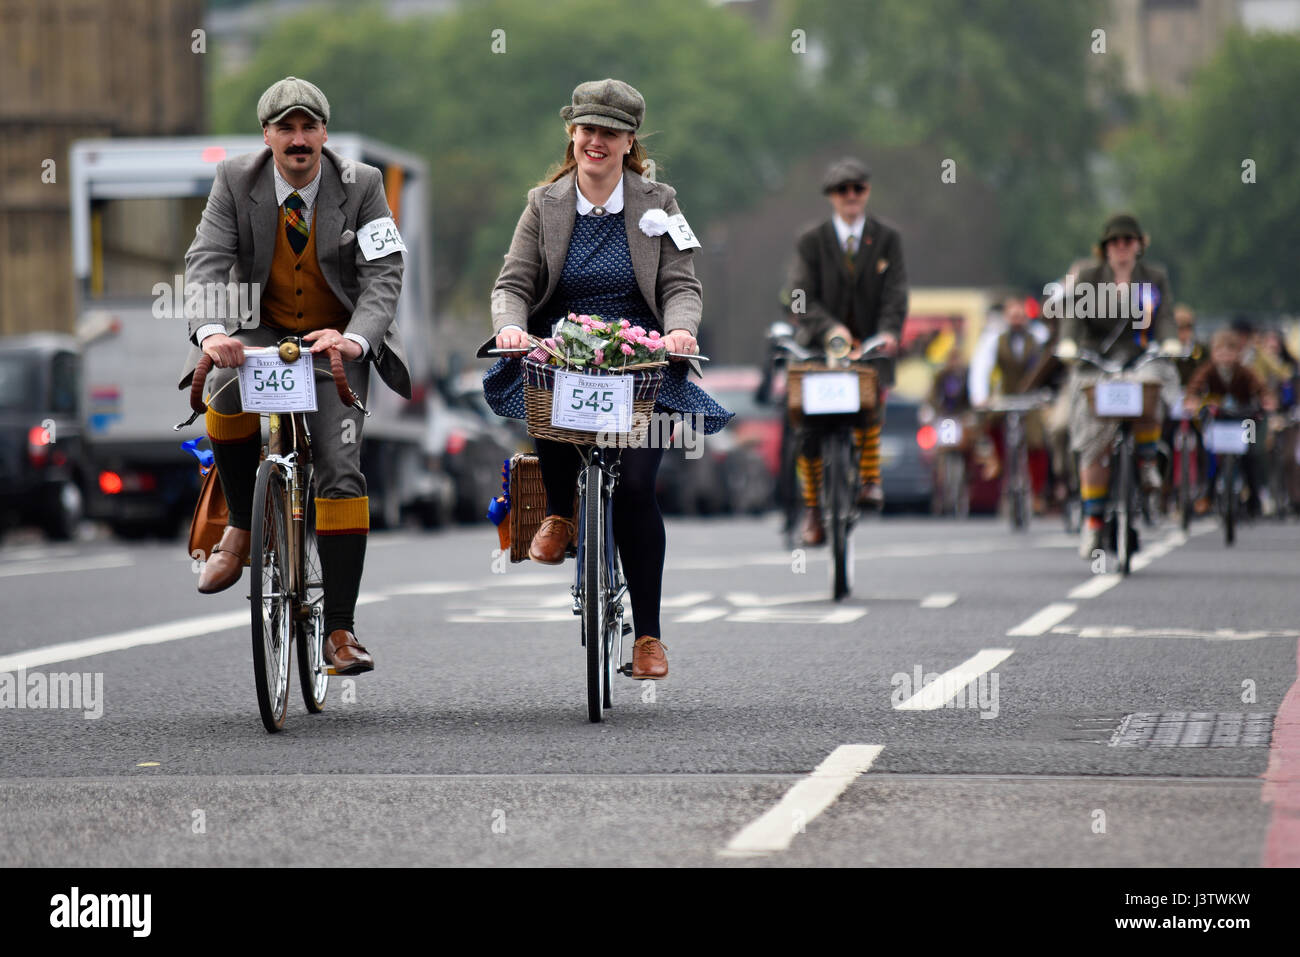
[
  {"x": 323, "y": 339},
  {"x": 225, "y": 352}
]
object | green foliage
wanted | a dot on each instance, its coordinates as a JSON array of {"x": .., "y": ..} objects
[{"x": 1231, "y": 245}]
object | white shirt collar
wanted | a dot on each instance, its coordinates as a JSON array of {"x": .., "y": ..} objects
[
  {"x": 844, "y": 230},
  {"x": 613, "y": 205},
  {"x": 308, "y": 192}
]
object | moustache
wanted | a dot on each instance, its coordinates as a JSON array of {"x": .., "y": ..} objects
[{"x": 298, "y": 150}]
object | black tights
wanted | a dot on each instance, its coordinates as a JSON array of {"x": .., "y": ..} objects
[{"x": 638, "y": 523}]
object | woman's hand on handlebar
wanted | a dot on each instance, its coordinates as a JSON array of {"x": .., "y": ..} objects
[
  {"x": 681, "y": 341},
  {"x": 225, "y": 352},
  {"x": 514, "y": 338}
]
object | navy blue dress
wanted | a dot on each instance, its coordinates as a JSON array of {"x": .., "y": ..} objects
[{"x": 598, "y": 280}]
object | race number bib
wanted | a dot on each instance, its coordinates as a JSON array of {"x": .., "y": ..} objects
[
  {"x": 1226, "y": 438},
  {"x": 827, "y": 393},
  {"x": 680, "y": 230},
  {"x": 267, "y": 384},
  {"x": 592, "y": 403},
  {"x": 1119, "y": 398},
  {"x": 380, "y": 237}
]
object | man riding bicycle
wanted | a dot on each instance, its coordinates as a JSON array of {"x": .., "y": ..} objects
[
  {"x": 1120, "y": 307},
  {"x": 292, "y": 220},
  {"x": 848, "y": 281}
]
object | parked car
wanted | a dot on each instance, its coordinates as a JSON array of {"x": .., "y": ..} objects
[
  {"x": 472, "y": 443},
  {"x": 735, "y": 470},
  {"x": 41, "y": 450},
  {"x": 906, "y": 473}
]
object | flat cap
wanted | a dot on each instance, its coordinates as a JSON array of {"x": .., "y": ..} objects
[
  {"x": 291, "y": 93},
  {"x": 1121, "y": 224},
  {"x": 846, "y": 170},
  {"x": 609, "y": 103}
]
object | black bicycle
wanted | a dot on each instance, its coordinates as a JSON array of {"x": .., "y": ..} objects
[
  {"x": 829, "y": 391},
  {"x": 1227, "y": 430},
  {"x": 1117, "y": 396}
]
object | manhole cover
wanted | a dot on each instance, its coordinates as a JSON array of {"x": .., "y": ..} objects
[{"x": 1193, "y": 729}]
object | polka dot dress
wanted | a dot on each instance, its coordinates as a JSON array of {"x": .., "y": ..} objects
[{"x": 598, "y": 279}]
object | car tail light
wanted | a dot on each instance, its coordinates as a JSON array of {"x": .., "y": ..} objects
[
  {"x": 110, "y": 483},
  {"x": 926, "y": 437},
  {"x": 455, "y": 443},
  {"x": 213, "y": 154},
  {"x": 38, "y": 444}
]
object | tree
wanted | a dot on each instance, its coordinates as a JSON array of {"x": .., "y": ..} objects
[{"x": 1213, "y": 178}]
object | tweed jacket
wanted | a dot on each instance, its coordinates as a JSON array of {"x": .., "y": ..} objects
[
  {"x": 528, "y": 279},
  {"x": 236, "y": 238},
  {"x": 870, "y": 300},
  {"x": 1095, "y": 314}
]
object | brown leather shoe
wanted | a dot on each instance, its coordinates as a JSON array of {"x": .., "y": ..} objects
[
  {"x": 871, "y": 496},
  {"x": 813, "y": 532},
  {"x": 347, "y": 656},
  {"x": 552, "y": 540},
  {"x": 648, "y": 658},
  {"x": 226, "y": 563}
]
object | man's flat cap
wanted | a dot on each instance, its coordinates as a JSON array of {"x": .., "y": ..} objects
[
  {"x": 844, "y": 171},
  {"x": 284, "y": 96}
]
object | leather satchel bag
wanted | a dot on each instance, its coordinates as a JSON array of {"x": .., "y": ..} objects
[{"x": 210, "y": 517}]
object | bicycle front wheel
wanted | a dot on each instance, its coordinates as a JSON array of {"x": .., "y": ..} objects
[
  {"x": 1228, "y": 466},
  {"x": 310, "y": 619},
  {"x": 594, "y": 587},
  {"x": 840, "y": 494},
  {"x": 1185, "y": 450},
  {"x": 272, "y": 604},
  {"x": 1124, "y": 507}
]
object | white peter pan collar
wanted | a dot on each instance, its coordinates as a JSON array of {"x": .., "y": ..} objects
[{"x": 613, "y": 205}]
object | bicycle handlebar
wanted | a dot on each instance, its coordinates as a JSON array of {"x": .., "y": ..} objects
[
  {"x": 198, "y": 406},
  {"x": 1113, "y": 367}
]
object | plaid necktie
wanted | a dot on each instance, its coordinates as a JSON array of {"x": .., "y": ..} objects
[
  {"x": 850, "y": 247},
  {"x": 295, "y": 226}
]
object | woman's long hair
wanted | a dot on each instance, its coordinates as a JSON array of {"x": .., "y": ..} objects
[{"x": 636, "y": 161}]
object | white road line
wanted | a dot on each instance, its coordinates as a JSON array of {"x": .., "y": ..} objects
[
  {"x": 776, "y": 829},
  {"x": 432, "y": 588},
  {"x": 744, "y": 599},
  {"x": 686, "y": 599},
  {"x": 134, "y": 638},
  {"x": 938, "y": 600},
  {"x": 151, "y": 635},
  {"x": 487, "y": 616},
  {"x": 1095, "y": 586},
  {"x": 49, "y": 566},
  {"x": 697, "y": 615},
  {"x": 951, "y": 683},
  {"x": 1207, "y": 634},
  {"x": 1043, "y": 619}
]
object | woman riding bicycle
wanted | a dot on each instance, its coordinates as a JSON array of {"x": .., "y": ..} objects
[
  {"x": 592, "y": 240},
  {"x": 1120, "y": 307}
]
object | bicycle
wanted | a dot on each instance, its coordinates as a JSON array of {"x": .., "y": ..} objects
[
  {"x": 1017, "y": 484},
  {"x": 788, "y": 501},
  {"x": 834, "y": 390},
  {"x": 1115, "y": 395},
  {"x": 1226, "y": 438},
  {"x": 286, "y": 591},
  {"x": 1188, "y": 474},
  {"x": 599, "y": 588},
  {"x": 951, "y": 444}
]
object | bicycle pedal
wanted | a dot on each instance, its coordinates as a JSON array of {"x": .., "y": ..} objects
[{"x": 627, "y": 629}]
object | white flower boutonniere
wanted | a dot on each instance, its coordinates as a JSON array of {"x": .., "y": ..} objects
[{"x": 654, "y": 222}]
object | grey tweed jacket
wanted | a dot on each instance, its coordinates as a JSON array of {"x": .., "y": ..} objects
[
  {"x": 236, "y": 238},
  {"x": 664, "y": 273}
]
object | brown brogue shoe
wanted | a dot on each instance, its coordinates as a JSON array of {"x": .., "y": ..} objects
[
  {"x": 552, "y": 540},
  {"x": 648, "y": 658},
  {"x": 226, "y": 563},
  {"x": 346, "y": 655},
  {"x": 813, "y": 532}
]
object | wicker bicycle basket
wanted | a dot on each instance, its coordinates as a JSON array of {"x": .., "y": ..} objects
[
  {"x": 1150, "y": 401},
  {"x": 528, "y": 504},
  {"x": 867, "y": 391},
  {"x": 539, "y": 391}
]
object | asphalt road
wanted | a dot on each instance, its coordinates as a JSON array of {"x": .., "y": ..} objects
[{"x": 1101, "y": 722}]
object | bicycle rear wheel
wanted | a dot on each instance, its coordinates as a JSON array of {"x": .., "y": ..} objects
[
  {"x": 1020, "y": 491},
  {"x": 1186, "y": 447},
  {"x": 1228, "y": 476},
  {"x": 272, "y": 605},
  {"x": 309, "y": 616},
  {"x": 594, "y": 587},
  {"x": 840, "y": 495}
]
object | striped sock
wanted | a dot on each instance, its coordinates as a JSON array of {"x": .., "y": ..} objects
[
  {"x": 1094, "y": 504},
  {"x": 1145, "y": 440},
  {"x": 810, "y": 478},
  {"x": 869, "y": 462}
]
